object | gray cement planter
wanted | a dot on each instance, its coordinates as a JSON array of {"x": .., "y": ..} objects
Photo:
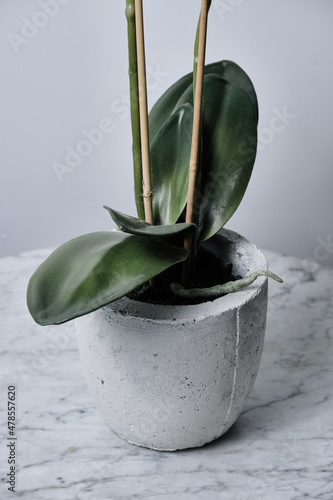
[{"x": 175, "y": 377}]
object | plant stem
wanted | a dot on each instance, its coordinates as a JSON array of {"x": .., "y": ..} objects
[
  {"x": 192, "y": 210},
  {"x": 135, "y": 113},
  {"x": 146, "y": 183}
]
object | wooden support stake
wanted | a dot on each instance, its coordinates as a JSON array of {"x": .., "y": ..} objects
[
  {"x": 192, "y": 212},
  {"x": 146, "y": 182}
]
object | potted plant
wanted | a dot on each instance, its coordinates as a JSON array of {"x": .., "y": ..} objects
[{"x": 169, "y": 351}]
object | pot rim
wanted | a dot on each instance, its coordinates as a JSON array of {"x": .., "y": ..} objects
[{"x": 255, "y": 260}]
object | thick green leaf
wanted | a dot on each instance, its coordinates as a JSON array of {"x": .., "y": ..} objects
[
  {"x": 229, "y": 138},
  {"x": 93, "y": 270},
  {"x": 132, "y": 225},
  {"x": 229, "y": 131},
  {"x": 234, "y": 74},
  {"x": 229, "y": 135},
  {"x": 169, "y": 159},
  {"x": 228, "y": 71},
  {"x": 168, "y": 102},
  {"x": 165, "y": 105}
]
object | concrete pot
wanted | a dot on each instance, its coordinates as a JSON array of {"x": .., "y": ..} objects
[{"x": 175, "y": 377}]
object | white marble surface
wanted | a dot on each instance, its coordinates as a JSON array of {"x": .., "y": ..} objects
[{"x": 280, "y": 447}]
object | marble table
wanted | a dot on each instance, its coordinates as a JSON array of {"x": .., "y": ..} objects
[{"x": 280, "y": 447}]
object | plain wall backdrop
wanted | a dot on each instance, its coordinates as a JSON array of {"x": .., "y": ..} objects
[{"x": 64, "y": 74}]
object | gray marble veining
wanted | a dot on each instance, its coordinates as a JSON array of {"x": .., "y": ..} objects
[{"x": 280, "y": 447}]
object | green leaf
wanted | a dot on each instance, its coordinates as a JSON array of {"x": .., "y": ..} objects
[
  {"x": 133, "y": 225},
  {"x": 233, "y": 73},
  {"x": 169, "y": 160},
  {"x": 229, "y": 128},
  {"x": 165, "y": 105},
  {"x": 229, "y": 140},
  {"x": 93, "y": 270},
  {"x": 171, "y": 98}
]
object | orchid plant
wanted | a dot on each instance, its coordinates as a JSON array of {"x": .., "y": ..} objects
[{"x": 193, "y": 156}]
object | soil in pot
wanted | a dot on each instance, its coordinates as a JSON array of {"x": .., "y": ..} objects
[{"x": 209, "y": 272}]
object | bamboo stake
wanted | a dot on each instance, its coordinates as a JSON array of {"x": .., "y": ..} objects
[
  {"x": 192, "y": 212},
  {"x": 196, "y": 47},
  {"x": 146, "y": 182}
]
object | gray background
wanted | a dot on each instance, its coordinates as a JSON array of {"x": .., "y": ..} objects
[{"x": 64, "y": 71}]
